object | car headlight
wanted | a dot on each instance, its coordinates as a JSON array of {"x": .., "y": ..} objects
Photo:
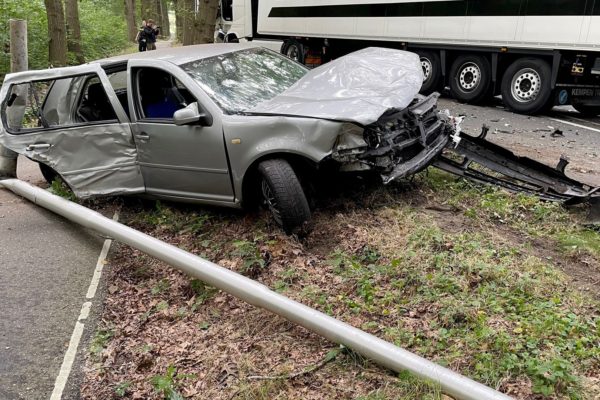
[{"x": 349, "y": 138}]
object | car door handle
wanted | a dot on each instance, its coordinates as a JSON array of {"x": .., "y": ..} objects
[
  {"x": 39, "y": 146},
  {"x": 143, "y": 136}
]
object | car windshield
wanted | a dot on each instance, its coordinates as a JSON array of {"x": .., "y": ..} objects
[{"x": 240, "y": 80}]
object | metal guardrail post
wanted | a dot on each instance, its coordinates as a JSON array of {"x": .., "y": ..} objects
[{"x": 369, "y": 346}]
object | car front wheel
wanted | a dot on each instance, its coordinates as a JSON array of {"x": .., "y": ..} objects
[{"x": 283, "y": 195}]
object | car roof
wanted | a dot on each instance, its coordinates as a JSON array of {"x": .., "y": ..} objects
[{"x": 180, "y": 54}]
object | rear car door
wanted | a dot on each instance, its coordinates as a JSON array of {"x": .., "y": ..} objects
[
  {"x": 71, "y": 120},
  {"x": 185, "y": 162}
]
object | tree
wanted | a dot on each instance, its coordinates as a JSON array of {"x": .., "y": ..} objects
[
  {"x": 57, "y": 45},
  {"x": 178, "y": 6},
  {"x": 132, "y": 24},
  {"x": 73, "y": 30},
  {"x": 149, "y": 10},
  {"x": 207, "y": 15},
  {"x": 163, "y": 12},
  {"x": 188, "y": 9}
]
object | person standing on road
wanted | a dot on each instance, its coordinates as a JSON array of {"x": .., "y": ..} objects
[
  {"x": 141, "y": 37},
  {"x": 152, "y": 32}
]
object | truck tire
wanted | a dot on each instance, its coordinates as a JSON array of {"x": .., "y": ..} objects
[
  {"x": 283, "y": 195},
  {"x": 294, "y": 50},
  {"x": 432, "y": 72},
  {"x": 526, "y": 85},
  {"x": 587, "y": 111},
  {"x": 470, "y": 78}
]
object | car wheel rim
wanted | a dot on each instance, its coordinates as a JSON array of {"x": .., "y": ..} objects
[
  {"x": 526, "y": 85},
  {"x": 427, "y": 67},
  {"x": 469, "y": 77},
  {"x": 292, "y": 52},
  {"x": 270, "y": 201}
]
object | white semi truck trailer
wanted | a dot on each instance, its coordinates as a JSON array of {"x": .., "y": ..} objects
[{"x": 535, "y": 53}]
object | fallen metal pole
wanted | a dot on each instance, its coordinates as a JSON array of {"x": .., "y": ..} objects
[{"x": 369, "y": 346}]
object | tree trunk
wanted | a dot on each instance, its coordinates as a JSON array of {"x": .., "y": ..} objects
[
  {"x": 149, "y": 10},
  {"x": 189, "y": 20},
  {"x": 207, "y": 17},
  {"x": 178, "y": 4},
  {"x": 165, "y": 26},
  {"x": 73, "y": 30},
  {"x": 57, "y": 45},
  {"x": 132, "y": 24}
]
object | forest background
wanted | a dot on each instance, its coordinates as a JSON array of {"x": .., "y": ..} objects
[{"x": 71, "y": 32}]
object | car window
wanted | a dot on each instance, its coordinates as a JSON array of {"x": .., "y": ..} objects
[
  {"x": 160, "y": 94},
  {"x": 240, "y": 80},
  {"x": 94, "y": 105},
  {"x": 55, "y": 103}
]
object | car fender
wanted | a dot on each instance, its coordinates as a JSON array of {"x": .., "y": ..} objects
[{"x": 249, "y": 138}]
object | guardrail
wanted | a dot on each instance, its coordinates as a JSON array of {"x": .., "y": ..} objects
[{"x": 383, "y": 353}]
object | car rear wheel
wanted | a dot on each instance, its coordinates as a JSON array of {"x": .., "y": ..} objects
[
  {"x": 432, "y": 72},
  {"x": 283, "y": 195},
  {"x": 526, "y": 86},
  {"x": 48, "y": 173},
  {"x": 470, "y": 78}
]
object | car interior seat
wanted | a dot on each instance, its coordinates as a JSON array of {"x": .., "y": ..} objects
[{"x": 96, "y": 106}]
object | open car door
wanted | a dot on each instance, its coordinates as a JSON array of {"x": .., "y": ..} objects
[{"x": 70, "y": 120}]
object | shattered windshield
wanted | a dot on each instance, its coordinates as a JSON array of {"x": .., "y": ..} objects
[{"x": 239, "y": 81}]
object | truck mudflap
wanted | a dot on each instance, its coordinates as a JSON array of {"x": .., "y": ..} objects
[{"x": 481, "y": 161}]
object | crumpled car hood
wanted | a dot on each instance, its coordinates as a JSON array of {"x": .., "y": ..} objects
[{"x": 358, "y": 87}]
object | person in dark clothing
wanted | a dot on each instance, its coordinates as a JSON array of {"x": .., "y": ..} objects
[
  {"x": 141, "y": 37},
  {"x": 152, "y": 31}
]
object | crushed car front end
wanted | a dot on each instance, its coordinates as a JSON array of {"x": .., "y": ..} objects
[{"x": 399, "y": 144}]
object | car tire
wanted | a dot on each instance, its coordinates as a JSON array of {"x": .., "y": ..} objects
[
  {"x": 294, "y": 50},
  {"x": 48, "y": 173},
  {"x": 283, "y": 195},
  {"x": 587, "y": 111},
  {"x": 432, "y": 71},
  {"x": 526, "y": 85},
  {"x": 470, "y": 78}
]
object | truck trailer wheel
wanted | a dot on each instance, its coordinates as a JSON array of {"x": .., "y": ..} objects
[
  {"x": 432, "y": 72},
  {"x": 283, "y": 194},
  {"x": 526, "y": 85},
  {"x": 294, "y": 50},
  {"x": 470, "y": 78}
]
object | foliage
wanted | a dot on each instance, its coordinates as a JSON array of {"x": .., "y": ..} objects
[
  {"x": 34, "y": 12},
  {"x": 167, "y": 384},
  {"x": 103, "y": 30}
]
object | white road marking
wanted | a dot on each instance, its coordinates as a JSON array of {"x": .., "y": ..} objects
[
  {"x": 98, "y": 271},
  {"x": 69, "y": 358},
  {"x": 577, "y": 125},
  {"x": 581, "y": 120}
]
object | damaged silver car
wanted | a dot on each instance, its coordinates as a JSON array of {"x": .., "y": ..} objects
[
  {"x": 222, "y": 124},
  {"x": 235, "y": 125}
]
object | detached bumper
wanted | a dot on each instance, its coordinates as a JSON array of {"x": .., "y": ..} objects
[{"x": 420, "y": 161}]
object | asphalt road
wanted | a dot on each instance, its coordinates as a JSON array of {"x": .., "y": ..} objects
[
  {"x": 537, "y": 137},
  {"x": 46, "y": 265}
]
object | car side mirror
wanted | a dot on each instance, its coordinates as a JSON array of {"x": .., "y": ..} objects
[{"x": 191, "y": 115}]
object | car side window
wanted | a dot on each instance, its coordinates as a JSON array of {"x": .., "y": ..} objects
[
  {"x": 56, "y": 103},
  {"x": 94, "y": 105},
  {"x": 160, "y": 94}
]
